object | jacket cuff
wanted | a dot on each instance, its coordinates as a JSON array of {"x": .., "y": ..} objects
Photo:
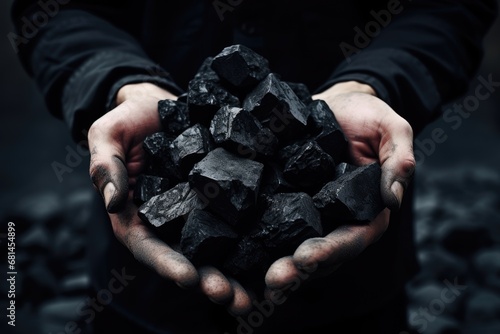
[
  {"x": 90, "y": 91},
  {"x": 160, "y": 81}
]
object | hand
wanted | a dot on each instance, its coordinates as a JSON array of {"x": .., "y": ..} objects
[
  {"x": 375, "y": 133},
  {"x": 117, "y": 158}
]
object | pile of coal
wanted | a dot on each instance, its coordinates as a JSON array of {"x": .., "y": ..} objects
[{"x": 247, "y": 167}]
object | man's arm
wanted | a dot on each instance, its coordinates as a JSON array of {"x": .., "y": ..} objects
[
  {"x": 80, "y": 58},
  {"x": 424, "y": 57},
  {"x": 85, "y": 66}
]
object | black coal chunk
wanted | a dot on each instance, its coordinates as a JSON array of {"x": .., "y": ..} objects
[
  {"x": 289, "y": 151},
  {"x": 343, "y": 168},
  {"x": 190, "y": 147},
  {"x": 289, "y": 219},
  {"x": 230, "y": 183},
  {"x": 310, "y": 166},
  {"x": 354, "y": 196},
  {"x": 174, "y": 116},
  {"x": 301, "y": 91},
  {"x": 240, "y": 66},
  {"x": 147, "y": 186},
  {"x": 241, "y": 133},
  {"x": 206, "y": 95},
  {"x": 166, "y": 211},
  {"x": 275, "y": 104},
  {"x": 206, "y": 239},
  {"x": 183, "y": 97},
  {"x": 248, "y": 255},
  {"x": 328, "y": 134},
  {"x": 273, "y": 180},
  {"x": 158, "y": 157}
]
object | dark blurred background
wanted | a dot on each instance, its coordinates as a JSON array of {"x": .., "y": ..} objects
[{"x": 457, "y": 209}]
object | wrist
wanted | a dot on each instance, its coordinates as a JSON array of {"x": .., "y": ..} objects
[
  {"x": 348, "y": 87},
  {"x": 142, "y": 89}
]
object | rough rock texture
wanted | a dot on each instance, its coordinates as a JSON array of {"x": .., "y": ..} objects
[
  {"x": 241, "y": 133},
  {"x": 343, "y": 168},
  {"x": 273, "y": 180},
  {"x": 234, "y": 181},
  {"x": 326, "y": 130},
  {"x": 354, "y": 196},
  {"x": 310, "y": 166},
  {"x": 248, "y": 255},
  {"x": 206, "y": 239},
  {"x": 158, "y": 157},
  {"x": 253, "y": 150},
  {"x": 190, "y": 147},
  {"x": 301, "y": 91},
  {"x": 174, "y": 116},
  {"x": 240, "y": 66},
  {"x": 275, "y": 104},
  {"x": 206, "y": 95},
  {"x": 167, "y": 209},
  {"x": 147, "y": 186},
  {"x": 289, "y": 219}
]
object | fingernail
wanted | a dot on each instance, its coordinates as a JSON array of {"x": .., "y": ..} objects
[
  {"x": 398, "y": 190},
  {"x": 108, "y": 193}
]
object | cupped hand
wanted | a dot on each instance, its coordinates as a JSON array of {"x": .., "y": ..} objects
[
  {"x": 376, "y": 133},
  {"x": 117, "y": 158}
]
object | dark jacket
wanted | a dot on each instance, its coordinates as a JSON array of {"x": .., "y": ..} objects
[{"x": 416, "y": 54}]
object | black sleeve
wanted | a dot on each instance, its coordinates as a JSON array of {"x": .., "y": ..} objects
[
  {"x": 79, "y": 59},
  {"x": 425, "y": 57}
]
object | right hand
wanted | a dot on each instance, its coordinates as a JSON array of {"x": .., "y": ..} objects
[{"x": 117, "y": 158}]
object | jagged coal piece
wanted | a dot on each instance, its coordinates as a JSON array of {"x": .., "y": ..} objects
[
  {"x": 241, "y": 133},
  {"x": 301, "y": 91},
  {"x": 147, "y": 186},
  {"x": 343, "y": 168},
  {"x": 158, "y": 157},
  {"x": 167, "y": 210},
  {"x": 206, "y": 95},
  {"x": 190, "y": 147},
  {"x": 326, "y": 130},
  {"x": 233, "y": 182},
  {"x": 289, "y": 219},
  {"x": 309, "y": 167},
  {"x": 354, "y": 196},
  {"x": 275, "y": 104},
  {"x": 240, "y": 66},
  {"x": 205, "y": 239},
  {"x": 248, "y": 255},
  {"x": 174, "y": 116},
  {"x": 273, "y": 180}
]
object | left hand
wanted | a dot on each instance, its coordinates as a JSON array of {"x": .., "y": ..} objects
[{"x": 376, "y": 133}]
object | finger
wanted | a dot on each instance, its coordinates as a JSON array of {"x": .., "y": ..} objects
[
  {"x": 283, "y": 274},
  {"x": 148, "y": 249},
  {"x": 107, "y": 168},
  {"x": 215, "y": 285},
  {"x": 344, "y": 243},
  {"x": 241, "y": 303},
  {"x": 397, "y": 160}
]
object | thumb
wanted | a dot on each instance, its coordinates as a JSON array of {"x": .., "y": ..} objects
[
  {"x": 107, "y": 168},
  {"x": 397, "y": 161}
]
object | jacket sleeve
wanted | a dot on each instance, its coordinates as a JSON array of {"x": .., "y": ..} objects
[
  {"x": 424, "y": 58},
  {"x": 79, "y": 59}
]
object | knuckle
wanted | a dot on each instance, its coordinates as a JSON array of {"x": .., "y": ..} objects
[
  {"x": 408, "y": 166},
  {"x": 406, "y": 127}
]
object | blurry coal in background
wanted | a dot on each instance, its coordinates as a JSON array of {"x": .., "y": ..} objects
[{"x": 457, "y": 209}]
